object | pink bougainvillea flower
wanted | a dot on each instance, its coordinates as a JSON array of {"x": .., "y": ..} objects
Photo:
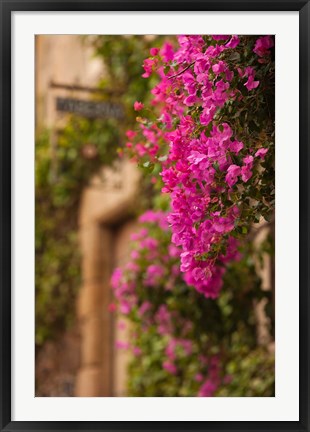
[
  {"x": 191, "y": 100},
  {"x": 234, "y": 41},
  {"x": 199, "y": 377},
  {"x": 131, "y": 134},
  {"x": 138, "y": 106},
  {"x": 263, "y": 45},
  {"x": 154, "y": 51},
  {"x": 250, "y": 73},
  {"x": 196, "y": 157},
  {"x": 134, "y": 254},
  {"x": 236, "y": 146},
  {"x": 207, "y": 115},
  {"x": 219, "y": 67},
  {"x": 233, "y": 172},
  {"x": 125, "y": 308},
  {"x": 136, "y": 351},
  {"x": 248, "y": 160},
  {"x": 170, "y": 367},
  {"x": 198, "y": 273},
  {"x": 142, "y": 233},
  {"x": 207, "y": 389},
  {"x": 156, "y": 217},
  {"x": 116, "y": 278},
  {"x": 187, "y": 346},
  {"x": 220, "y": 37},
  {"x": 246, "y": 173},
  {"x": 148, "y": 66},
  {"x": 145, "y": 307},
  {"x": 251, "y": 84},
  {"x": 189, "y": 83},
  {"x": 153, "y": 274},
  {"x": 261, "y": 153},
  {"x": 121, "y": 344},
  {"x": 224, "y": 225},
  {"x": 112, "y": 307},
  {"x": 167, "y": 52}
]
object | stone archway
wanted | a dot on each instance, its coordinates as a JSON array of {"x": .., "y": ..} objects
[{"x": 104, "y": 228}]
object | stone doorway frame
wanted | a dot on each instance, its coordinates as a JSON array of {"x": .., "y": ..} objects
[{"x": 103, "y": 206}]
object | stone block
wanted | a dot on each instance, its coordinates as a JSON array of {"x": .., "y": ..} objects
[
  {"x": 92, "y": 336},
  {"x": 111, "y": 196},
  {"x": 96, "y": 250},
  {"x": 90, "y": 299},
  {"x": 89, "y": 382}
]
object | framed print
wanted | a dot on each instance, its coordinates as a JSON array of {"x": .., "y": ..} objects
[{"x": 154, "y": 179}]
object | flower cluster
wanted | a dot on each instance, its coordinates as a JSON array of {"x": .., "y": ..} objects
[
  {"x": 146, "y": 255},
  {"x": 144, "y": 289},
  {"x": 263, "y": 46},
  {"x": 207, "y": 164},
  {"x": 208, "y": 141},
  {"x": 190, "y": 343}
]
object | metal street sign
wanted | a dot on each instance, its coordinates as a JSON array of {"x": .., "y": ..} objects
[{"x": 90, "y": 109}]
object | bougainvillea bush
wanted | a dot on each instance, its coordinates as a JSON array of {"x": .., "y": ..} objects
[
  {"x": 184, "y": 344},
  {"x": 207, "y": 141}
]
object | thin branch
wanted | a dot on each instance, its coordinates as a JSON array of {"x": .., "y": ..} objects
[{"x": 182, "y": 71}]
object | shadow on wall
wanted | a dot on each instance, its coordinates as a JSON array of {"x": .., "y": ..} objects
[{"x": 57, "y": 364}]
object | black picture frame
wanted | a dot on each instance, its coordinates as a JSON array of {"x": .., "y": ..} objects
[{"x": 6, "y": 9}]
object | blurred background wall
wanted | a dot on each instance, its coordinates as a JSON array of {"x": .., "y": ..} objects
[
  {"x": 62, "y": 59},
  {"x": 82, "y": 360}
]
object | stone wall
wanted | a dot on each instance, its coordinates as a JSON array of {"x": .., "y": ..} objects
[{"x": 61, "y": 59}]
